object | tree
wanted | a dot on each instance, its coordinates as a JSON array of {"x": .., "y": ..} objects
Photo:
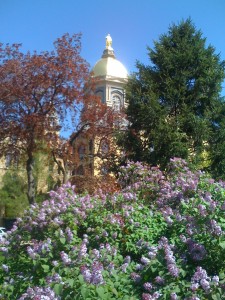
[
  {"x": 175, "y": 101},
  {"x": 36, "y": 92},
  {"x": 217, "y": 147},
  {"x": 13, "y": 194}
]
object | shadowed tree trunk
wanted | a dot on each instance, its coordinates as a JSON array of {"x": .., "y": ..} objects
[{"x": 31, "y": 180}]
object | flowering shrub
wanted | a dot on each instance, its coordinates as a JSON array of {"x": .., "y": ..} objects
[{"x": 160, "y": 237}]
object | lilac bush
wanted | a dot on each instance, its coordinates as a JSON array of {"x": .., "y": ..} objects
[{"x": 160, "y": 237}]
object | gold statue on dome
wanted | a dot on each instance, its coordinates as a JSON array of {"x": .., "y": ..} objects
[{"x": 108, "y": 41}]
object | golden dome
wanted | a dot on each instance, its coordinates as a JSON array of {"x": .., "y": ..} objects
[{"x": 108, "y": 65}]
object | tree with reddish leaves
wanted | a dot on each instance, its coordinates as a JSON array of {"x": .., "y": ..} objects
[
  {"x": 36, "y": 93},
  {"x": 98, "y": 124}
]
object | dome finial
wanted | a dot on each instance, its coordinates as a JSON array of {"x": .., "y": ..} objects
[{"x": 109, "y": 42}]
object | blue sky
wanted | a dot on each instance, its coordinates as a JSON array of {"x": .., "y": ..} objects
[{"x": 133, "y": 24}]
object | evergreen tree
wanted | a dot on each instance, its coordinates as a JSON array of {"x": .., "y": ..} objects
[{"x": 174, "y": 103}]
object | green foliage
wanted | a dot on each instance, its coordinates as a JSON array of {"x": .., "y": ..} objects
[
  {"x": 174, "y": 103},
  {"x": 13, "y": 194},
  {"x": 217, "y": 148}
]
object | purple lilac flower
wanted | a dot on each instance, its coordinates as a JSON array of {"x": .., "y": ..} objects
[
  {"x": 83, "y": 251},
  {"x": 111, "y": 267},
  {"x": 199, "y": 274},
  {"x": 139, "y": 243},
  {"x": 168, "y": 220},
  {"x": 65, "y": 258},
  {"x": 178, "y": 217},
  {"x": 136, "y": 224},
  {"x": 156, "y": 295},
  {"x": 96, "y": 253},
  {"x": 173, "y": 270},
  {"x": 101, "y": 246},
  {"x": 108, "y": 247},
  {"x": 202, "y": 210},
  {"x": 4, "y": 249},
  {"x": 86, "y": 273},
  {"x": 159, "y": 280},
  {"x": 212, "y": 205},
  {"x": 223, "y": 206},
  {"x": 145, "y": 260},
  {"x": 197, "y": 251},
  {"x": 31, "y": 252},
  {"x": 45, "y": 293},
  {"x": 45, "y": 246},
  {"x": 127, "y": 259},
  {"x": 163, "y": 241},
  {"x": 147, "y": 286},
  {"x": 190, "y": 228},
  {"x": 205, "y": 285},
  {"x": 183, "y": 238},
  {"x": 139, "y": 267},
  {"x": 105, "y": 233},
  {"x": 194, "y": 286},
  {"x": 5, "y": 268},
  {"x": 136, "y": 277},
  {"x": 96, "y": 276},
  {"x": 216, "y": 229},
  {"x": 69, "y": 234},
  {"x": 173, "y": 296},
  {"x": 57, "y": 221},
  {"x": 114, "y": 235},
  {"x": 114, "y": 251},
  {"x": 129, "y": 196},
  {"x": 56, "y": 278},
  {"x": 85, "y": 240},
  {"x": 170, "y": 259},
  {"x": 215, "y": 279},
  {"x": 55, "y": 263},
  {"x": 124, "y": 267},
  {"x": 146, "y": 296}
]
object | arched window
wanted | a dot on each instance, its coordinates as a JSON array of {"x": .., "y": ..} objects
[
  {"x": 8, "y": 160},
  {"x": 116, "y": 102},
  {"x": 81, "y": 152},
  {"x": 91, "y": 146},
  {"x": 99, "y": 93}
]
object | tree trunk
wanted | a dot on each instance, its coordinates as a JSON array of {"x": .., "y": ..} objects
[
  {"x": 65, "y": 173},
  {"x": 31, "y": 180}
]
